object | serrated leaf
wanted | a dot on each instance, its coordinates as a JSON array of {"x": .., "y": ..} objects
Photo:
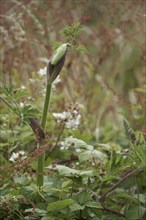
[
  {"x": 29, "y": 112},
  {"x": 140, "y": 197},
  {"x": 135, "y": 212},
  {"x": 78, "y": 143},
  {"x": 20, "y": 93},
  {"x": 63, "y": 170},
  {"x": 55, "y": 206},
  {"x": 66, "y": 171},
  {"x": 20, "y": 180},
  {"x": 83, "y": 197},
  {"x": 98, "y": 154},
  {"x": 80, "y": 48},
  {"x": 126, "y": 196},
  {"x": 87, "y": 155}
]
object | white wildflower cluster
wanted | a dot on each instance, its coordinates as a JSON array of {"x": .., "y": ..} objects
[
  {"x": 19, "y": 156},
  {"x": 70, "y": 118},
  {"x": 67, "y": 143}
]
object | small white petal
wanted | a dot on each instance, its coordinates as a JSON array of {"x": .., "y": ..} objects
[
  {"x": 23, "y": 87},
  {"x": 42, "y": 71},
  {"x": 17, "y": 155},
  {"x": 21, "y": 104}
]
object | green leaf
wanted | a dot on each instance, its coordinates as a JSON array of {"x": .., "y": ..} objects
[
  {"x": 63, "y": 170},
  {"x": 135, "y": 212},
  {"x": 20, "y": 94},
  {"x": 55, "y": 206},
  {"x": 80, "y": 48},
  {"x": 76, "y": 207},
  {"x": 87, "y": 151},
  {"x": 86, "y": 173},
  {"x": 78, "y": 143},
  {"x": 135, "y": 198},
  {"x": 140, "y": 152},
  {"x": 67, "y": 184},
  {"x": 38, "y": 211},
  {"x": 83, "y": 197},
  {"x": 20, "y": 180},
  {"x": 88, "y": 155},
  {"x": 72, "y": 32},
  {"x": 56, "y": 45},
  {"x": 140, "y": 197},
  {"x": 126, "y": 196},
  {"x": 91, "y": 204},
  {"x": 29, "y": 112},
  {"x": 26, "y": 191},
  {"x": 85, "y": 155},
  {"x": 66, "y": 171}
]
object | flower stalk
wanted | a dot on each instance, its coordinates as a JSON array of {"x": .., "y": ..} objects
[
  {"x": 40, "y": 168},
  {"x": 53, "y": 69}
]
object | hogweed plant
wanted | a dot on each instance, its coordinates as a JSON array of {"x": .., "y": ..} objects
[
  {"x": 85, "y": 177},
  {"x": 54, "y": 67}
]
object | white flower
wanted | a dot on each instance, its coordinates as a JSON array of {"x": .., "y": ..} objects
[
  {"x": 78, "y": 150},
  {"x": 16, "y": 156},
  {"x": 73, "y": 122},
  {"x": 71, "y": 119},
  {"x": 23, "y": 87},
  {"x": 60, "y": 116},
  {"x": 68, "y": 142},
  {"x": 21, "y": 104},
  {"x": 42, "y": 71}
]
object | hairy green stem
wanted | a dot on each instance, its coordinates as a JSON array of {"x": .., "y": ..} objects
[{"x": 43, "y": 124}]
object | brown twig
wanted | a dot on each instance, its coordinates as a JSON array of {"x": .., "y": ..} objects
[
  {"x": 111, "y": 190},
  {"x": 113, "y": 211}
]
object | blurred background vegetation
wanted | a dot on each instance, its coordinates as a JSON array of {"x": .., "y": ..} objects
[{"x": 108, "y": 82}]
